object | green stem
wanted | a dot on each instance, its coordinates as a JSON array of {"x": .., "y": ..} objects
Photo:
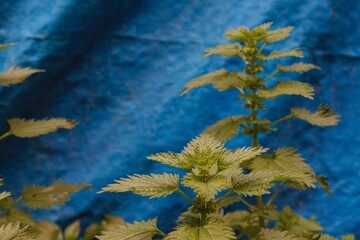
[
  {"x": 161, "y": 233},
  {"x": 271, "y": 75},
  {"x": 281, "y": 119},
  {"x": 277, "y": 191},
  {"x": 224, "y": 196},
  {"x": 184, "y": 195},
  {"x": 246, "y": 203},
  {"x": 5, "y": 135}
]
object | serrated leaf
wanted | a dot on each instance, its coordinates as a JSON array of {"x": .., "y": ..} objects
[
  {"x": 225, "y": 129},
  {"x": 19, "y": 215},
  {"x": 279, "y": 54},
  {"x": 13, "y": 231},
  {"x": 2, "y": 46},
  {"x": 297, "y": 67},
  {"x": 15, "y": 75},
  {"x": 323, "y": 116},
  {"x": 277, "y": 35},
  {"x": 227, "y": 50},
  {"x": 241, "y": 34},
  {"x": 289, "y": 164},
  {"x": 236, "y": 157},
  {"x": 4, "y": 195},
  {"x": 221, "y": 80},
  {"x": 254, "y": 183},
  {"x": 136, "y": 231},
  {"x": 31, "y": 128},
  {"x": 288, "y": 88},
  {"x": 153, "y": 185},
  {"x": 273, "y": 234},
  {"x": 246, "y": 222},
  {"x": 56, "y": 194},
  {"x": 211, "y": 229},
  {"x": 48, "y": 231},
  {"x": 262, "y": 27},
  {"x": 72, "y": 231},
  {"x": 172, "y": 159}
]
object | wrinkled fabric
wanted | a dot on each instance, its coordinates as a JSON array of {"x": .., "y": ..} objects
[{"x": 117, "y": 67}]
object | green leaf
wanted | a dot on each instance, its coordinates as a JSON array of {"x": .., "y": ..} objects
[
  {"x": 111, "y": 222},
  {"x": 72, "y": 231},
  {"x": 19, "y": 215},
  {"x": 221, "y": 80},
  {"x": 15, "y": 75},
  {"x": 323, "y": 183},
  {"x": 279, "y": 54},
  {"x": 23, "y": 128},
  {"x": 4, "y": 195},
  {"x": 262, "y": 27},
  {"x": 273, "y": 234},
  {"x": 348, "y": 237},
  {"x": 297, "y": 67},
  {"x": 254, "y": 183},
  {"x": 212, "y": 229},
  {"x": 153, "y": 185},
  {"x": 288, "y": 88},
  {"x": 241, "y": 34},
  {"x": 226, "y": 50},
  {"x": 323, "y": 116},
  {"x": 2, "y": 46},
  {"x": 13, "y": 231},
  {"x": 225, "y": 129},
  {"x": 172, "y": 159},
  {"x": 277, "y": 35},
  {"x": 136, "y": 231},
  {"x": 247, "y": 223},
  {"x": 236, "y": 157},
  {"x": 91, "y": 231},
  {"x": 48, "y": 231},
  {"x": 289, "y": 164},
  {"x": 56, "y": 194}
]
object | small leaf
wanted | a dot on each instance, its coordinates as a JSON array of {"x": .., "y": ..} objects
[
  {"x": 91, "y": 231},
  {"x": 136, "y": 231},
  {"x": 153, "y": 185},
  {"x": 172, "y": 159},
  {"x": 4, "y": 195},
  {"x": 221, "y": 80},
  {"x": 254, "y": 183},
  {"x": 13, "y": 231},
  {"x": 241, "y": 34},
  {"x": 279, "y": 54},
  {"x": 72, "y": 231},
  {"x": 227, "y": 50},
  {"x": 225, "y": 129},
  {"x": 56, "y": 194},
  {"x": 323, "y": 116},
  {"x": 297, "y": 67},
  {"x": 323, "y": 183},
  {"x": 277, "y": 35},
  {"x": 48, "y": 231},
  {"x": 263, "y": 27},
  {"x": 273, "y": 234},
  {"x": 31, "y": 128},
  {"x": 288, "y": 88},
  {"x": 212, "y": 229},
  {"x": 2, "y": 46},
  {"x": 15, "y": 75}
]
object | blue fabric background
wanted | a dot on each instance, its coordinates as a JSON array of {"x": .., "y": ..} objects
[{"x": 117, "y": 67}]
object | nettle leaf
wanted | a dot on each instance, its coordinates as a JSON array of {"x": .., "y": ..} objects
[
  {"x": 221, "y": 80},
  {"x": 13, "y": 231},
  {"x": 241, "y": 34},
  {"x": 2, "y": 46},
  {"x": 246, "y": 222},
  {"x": 153, "y": 185},
  {"x": 212, "y": 229},
  {"x": 225, "y": 129},
  {"x": 323, "y": 116},
  {"x": 56, "y": 194},
  {"x": 19, "y": 215},
  {"x": 288, "y": 88},
  {"x": 136, "y": 231},
  {"x": 23, "y": 128},
  {"x": 279, "y": 54},
  {"x": 254, "y": 183},
  {"x": 289, "y": 164},
  {"x": 227, "y": 50},
  {"x": 172, "y": 159},
  {"x": 297, "y": 67},
  {"x": 48, "y": 231},
  {"x": 236, "y": 157},
  {"x": 277, "y": 35},
  {"x": 4, "y": 195},
  {"x": 15, "y": 75},
  {"x": 72, "y": 232},
  {"x": 262, "y": 27},
  {"x": 273, "y": 234}
]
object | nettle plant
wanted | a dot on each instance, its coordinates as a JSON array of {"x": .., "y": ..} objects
[
  {"x": 15, "y": 221},
  {"x": 220, "y": 177}
]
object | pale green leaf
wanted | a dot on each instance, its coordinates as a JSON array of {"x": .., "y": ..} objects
[
  {"x": 172, "y": 159},
  {"x": 288, "y": 88},
  {"x": 273, "y": 234},
  {"x": 2, "y": 46},
  {"x": 234, "y": 158},
  {"x": 72, "y": 231},
  {"x": 279, "y": 54},
  {"x": 4, "y": 195},
  {"x": 323, "y": 116},
  {"x": 136, "y": 231},
  {"x": 277, "y": 35},
  {"x": 212, "y": 229},
  {"x": 56, "y": 194},
  {"x": 225, "y": 129},
  {"x": 221, "y": 80},
  {"x": 15, "y": 75},
  {"x": 13, "y": 231},
  {"x": 19, "y": 215},
  {"x": 246, "y": 222},
  {"x": 153, "y": 185},
  {"x": 347, "y": 237},
  {"x": 31, "y": 128},
  {"x": 289, "y": 164},
  {"x": 297, "y": 67},
  {"x": 241, "y": 34},
  {"x": 254, "y": 183},
  {"x": 227, "y": 50},
  {"x": 262, "y": 27},
  {"x": 48, "y": 231}
]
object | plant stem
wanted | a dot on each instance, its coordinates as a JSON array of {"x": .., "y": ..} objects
[
  {"x": 224, "y": 196},
  {"x": 271, "y": 75},
  {"x": 5, "y": 135},
  {"x": 277, "y": 191},
  {"x": 184, "y": 195},
  {"x": 281, "y": 119},
  {"x": 246, "y": 203}
]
